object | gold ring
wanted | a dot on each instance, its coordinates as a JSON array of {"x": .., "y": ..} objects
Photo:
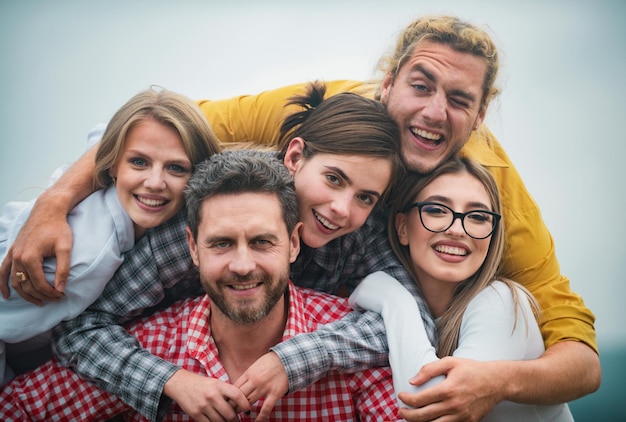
[{"x": 21, "y": 275}]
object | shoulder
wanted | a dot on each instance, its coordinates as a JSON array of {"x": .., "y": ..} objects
[{"x": 322, "y": 307}]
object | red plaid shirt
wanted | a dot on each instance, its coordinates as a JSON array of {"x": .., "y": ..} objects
[{"x": 180, "y": 334}]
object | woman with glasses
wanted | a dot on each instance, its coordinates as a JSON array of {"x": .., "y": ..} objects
[{"x": 446, "y": 230}]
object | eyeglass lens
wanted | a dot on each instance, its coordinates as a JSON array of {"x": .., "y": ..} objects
[{"x": 438, "y": 218}]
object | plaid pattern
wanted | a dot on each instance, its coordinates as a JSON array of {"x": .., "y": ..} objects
[
  {"x": 179, "y": 334},
  {"x": 357, "y": 341},
  {"x": 159, "y": 270}
]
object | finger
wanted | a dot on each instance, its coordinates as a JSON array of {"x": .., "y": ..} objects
[
  {"x": 267, "y": 407},
  {"x": 5, "y": 274},
  {"x": 38, "y": 286},
  {"x": 63, "y": 256},
  {"x": 24, "y": 289},
  {"x": 237, "y": 400}
]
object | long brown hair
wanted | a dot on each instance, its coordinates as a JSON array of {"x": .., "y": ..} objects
[{"x": 449, "y": 325}]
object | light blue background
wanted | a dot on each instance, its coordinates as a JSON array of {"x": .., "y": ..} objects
[{"x": 67, "y": 65}]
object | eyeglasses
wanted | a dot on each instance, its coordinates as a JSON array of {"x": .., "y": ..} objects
[{"x": 437, "y": 218}]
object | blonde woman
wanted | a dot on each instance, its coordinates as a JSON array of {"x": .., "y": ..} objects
[{"x": 143, "y": 163}]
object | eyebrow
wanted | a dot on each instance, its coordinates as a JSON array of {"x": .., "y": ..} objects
[
  {"x": 349, "y": 181},
  {"x": 429, "y": 75},
  {"x": 446, "y": 201}
]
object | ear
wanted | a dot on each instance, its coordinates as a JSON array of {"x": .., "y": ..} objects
[
  {"x": 294, "y": 247},
  {"x": 294, "y": 155},
  {"x": 385, "y": 88},
  {"x": 401, "y": 229},
  {"x": 193, "y": 246},
  {"x": 480, "y": 118}
]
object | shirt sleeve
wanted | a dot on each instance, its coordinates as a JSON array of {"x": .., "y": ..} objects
[
  {"x": 96, "y": 345},
  {"x": 353, "y": 343},
  {"x": 257, "y": 118}
]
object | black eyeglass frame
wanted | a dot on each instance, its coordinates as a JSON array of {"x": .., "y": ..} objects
[{"x": 455, "y": 215}]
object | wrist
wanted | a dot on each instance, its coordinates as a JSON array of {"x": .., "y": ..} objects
[{"x": 55, "y": 202}]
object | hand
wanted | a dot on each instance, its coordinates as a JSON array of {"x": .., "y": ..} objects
[
  {"x": 45, "y": 234},
  {"x": 471, "y": 389},
  {"x": 266, "y": 378},
  {"x": 205, "y": 399}
]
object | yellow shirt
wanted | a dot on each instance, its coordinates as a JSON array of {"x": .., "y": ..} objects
[{"x": 529, "y": 256}]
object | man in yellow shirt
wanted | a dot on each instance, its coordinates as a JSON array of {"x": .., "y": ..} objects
[{"x": 437, "y": 85}]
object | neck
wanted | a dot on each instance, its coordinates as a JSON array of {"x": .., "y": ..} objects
[
  {"x": 437, "y": 294},
  {"x": 240, "y": 345}
]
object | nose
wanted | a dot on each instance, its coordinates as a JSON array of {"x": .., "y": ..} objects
[
  {"x": 456, "y": 229},
  {"x": 434, "y": 112},
  {"x": 341, "y": 203},
  {"x": 154, "y": 179},
  {"x": 242, "y": 262}
]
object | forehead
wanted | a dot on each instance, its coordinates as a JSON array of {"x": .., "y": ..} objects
[
  {"x": 241, "y": 214},
  {"x": 457, "y": 189},
  {"x": 446, "y": 64}
]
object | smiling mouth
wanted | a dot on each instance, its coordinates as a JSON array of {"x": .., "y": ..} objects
[
  {"x": 151, "y": 202},
  {"x": 428, "y": 137},
  {"x": 325, "y": 222},
  {"x": 244, "y": 286},
  {"x": 451, "y": 250}
]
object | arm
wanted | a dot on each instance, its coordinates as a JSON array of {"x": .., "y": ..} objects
[
  {"x": 573, "y": 367},
  {"x": 257, "y": 118},
  {"x": 97, "y": 253},
  {"x": 498, "y": 346},
  {"x": 47, "y": 234},
  {"x": 97, "y": 345},
  {"x": 564, "y": 314},
  {"x": 409, "y": 347}
]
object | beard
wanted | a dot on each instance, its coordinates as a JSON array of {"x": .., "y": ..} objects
[{"x": 244, "y": 311}]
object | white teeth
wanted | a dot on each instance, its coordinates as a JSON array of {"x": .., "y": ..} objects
[
  {"x": 244, "y": 286},
  {"x": 427, "y": 135},
  {"x": 325, "y": 222},
  {"x": 151, "y": 202},
  {"x": 451, "y": 250}
]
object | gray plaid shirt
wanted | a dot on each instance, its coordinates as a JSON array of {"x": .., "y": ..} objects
[{"x": 159, "y": 270}]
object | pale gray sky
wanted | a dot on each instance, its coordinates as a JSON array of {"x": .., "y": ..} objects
[{"x": 67, "y": 65}]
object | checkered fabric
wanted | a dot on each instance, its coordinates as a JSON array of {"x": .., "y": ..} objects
[{"x": 180, "y": 334}]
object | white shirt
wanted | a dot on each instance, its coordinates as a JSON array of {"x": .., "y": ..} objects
[
  {"x": 102, "y": 231},
  {"x": 489, "y": 331}
]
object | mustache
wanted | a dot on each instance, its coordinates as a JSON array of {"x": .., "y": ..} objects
[{"x": 244, "y": 279}]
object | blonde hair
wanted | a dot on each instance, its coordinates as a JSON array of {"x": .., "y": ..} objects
[
  {"x": 166, "y": 107},
  {"x": 449, "y": 324},
  {"x": 453, "y": 32}
]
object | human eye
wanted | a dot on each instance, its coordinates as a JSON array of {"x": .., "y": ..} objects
[
  {"x": 179, "y": 169},
  {"x": 220, "y": 244},
  {"x": 137, "y": 161},
  {"x": 460, "y": 102},
  {"x": 333, "y": 179},
  {"x": 479, "y": 217},
  {"x": 367, "y": 199},
  {"x": 435, "y": 210},
  {"x": 262, "y": 243},
  {"x": 419, "y": 87}
]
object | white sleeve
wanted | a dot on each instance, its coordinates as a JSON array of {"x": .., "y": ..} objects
[
  {"x": 490, "y": 331},
  {"x": 409, "y": 348}
]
